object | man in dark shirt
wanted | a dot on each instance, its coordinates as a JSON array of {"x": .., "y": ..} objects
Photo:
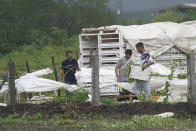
[{"x": 68, "y": 69}]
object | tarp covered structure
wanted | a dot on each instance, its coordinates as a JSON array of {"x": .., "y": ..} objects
[{"x": 159, "y": 37}]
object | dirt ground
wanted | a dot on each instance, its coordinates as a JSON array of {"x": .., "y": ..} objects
[{"x": 180, "y": 109}]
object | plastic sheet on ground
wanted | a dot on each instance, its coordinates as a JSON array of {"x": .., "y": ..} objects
[
  {"x": 31, "y": 83},
  {"x": 160, "y": 69},
  {"x": 42, "y": 72},
  {"x": 107, "y": 75},
  {"x": 4, "y": 90},
  {"x": 3, "y": 104},
  {"x": 178, "y": 90},
  {"x": 108, "y": 85}
]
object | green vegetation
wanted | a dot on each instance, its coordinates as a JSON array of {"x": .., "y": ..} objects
[
  {"x": 170, "y": 15},
  {"x": 175, "y": 15},
  {"x": 76, "y": 96},
  {"x": 37, "y": 59},
  {"x": 39, "y": 23},
  {"x": 182, "y": 76},
  {"x": 96, "y": 122},
  {"x": 108, "y": 101}
]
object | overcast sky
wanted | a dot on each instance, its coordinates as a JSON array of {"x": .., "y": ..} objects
[{"x": 135, "y": 5}]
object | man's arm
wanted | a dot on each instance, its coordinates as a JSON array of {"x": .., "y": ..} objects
[
  {"x": 147, "y": 65},
  {"x": 61, "y": 75},
  {"x": 116, "y": 72},
  {"x": 77, "y": 66}
]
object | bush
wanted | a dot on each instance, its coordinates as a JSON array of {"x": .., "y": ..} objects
[
  {"x": 76, "y": 96},
  {"x": 182, "y": 76},
  {"x": 108, "y": 101}
]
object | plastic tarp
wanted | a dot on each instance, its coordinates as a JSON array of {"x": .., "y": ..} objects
[
  {"x": 159, "y": 37},
  {"x": 160, "y": 69},
  {"x": 190, "y": 23},
  {"x": 108, "y": 85},
  {"x": 32, "y": 83},
  {"x": 137, "y": 73},
  {"x": 107, "y": 75},
  {"x": 178, "y": 90}
]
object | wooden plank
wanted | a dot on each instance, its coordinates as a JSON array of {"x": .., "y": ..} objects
[
  {"x": 95, "y": 80},
  {"x": 191, "y": 77},
  {"x": 11, "y": 84},
  {"x": 28, "y": 71},
  {"x": 90, "y": 57},
  {"x": 55, "y": 74}
]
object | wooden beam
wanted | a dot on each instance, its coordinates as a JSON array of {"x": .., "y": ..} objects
[
  {"x": 95, "y": 80},
  {"x": 28, "y": 71},
  {"x": 55, "y": 73},
  {"x": 191, "y": 77},
  {"x": 11, "y": 84},
  {"x": 90, "y": 58}
]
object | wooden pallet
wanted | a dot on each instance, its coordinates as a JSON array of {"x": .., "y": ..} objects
[{"x": 118, "y": 97}]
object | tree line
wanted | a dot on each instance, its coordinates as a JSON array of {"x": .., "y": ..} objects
[
  {"x": 33, "y": 24},
  {"x": 40, "y": 22}
]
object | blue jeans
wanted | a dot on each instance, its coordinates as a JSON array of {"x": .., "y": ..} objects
[
  {"x": 145, "y": 87},
  {"x": 70, "y": 83}
]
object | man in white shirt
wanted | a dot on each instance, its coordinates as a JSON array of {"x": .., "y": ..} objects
[{"x": 145, "y": 61}]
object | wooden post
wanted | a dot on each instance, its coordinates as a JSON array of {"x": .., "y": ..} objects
[
  {"x": 55, "y": 74},
  {"x": 191, "y": 77},
  {"x": 11, "y": 84},
  {"x": 27, "y": 65},
  {"x": 95, "y": 80},
  {"x": 90, "y": 57},
  {"x": 28, "y": 71}
]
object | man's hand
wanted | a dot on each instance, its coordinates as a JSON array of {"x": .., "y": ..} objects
[
  {"x": 116, "y": 72},
  {"x": 143, "y": 67},
  {"x": 78, "y": 69},
  {"x": 61, "y": 75},
  {"x": 117, "y": 79},
  {"x": 147, "y": 65}
]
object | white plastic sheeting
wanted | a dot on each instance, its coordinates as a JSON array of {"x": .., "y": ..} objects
[
  {"x": 160, "y": 69},
  {"x": 166, "y": 114},
  {"x": 159, "y": 37},
  {"x": 29, "y": 83},
  {"x": 178, "y": 90},
  {"x": 4, "y": 90},
  {"x": 3, "y": 104},
  {"x": 107, "y": 75},
  {"x": 32, "y": 83},
  {"x": 190, "y": 23},
  {"x": 137, "y": 73},
  {"x": 41, "y": 72}
]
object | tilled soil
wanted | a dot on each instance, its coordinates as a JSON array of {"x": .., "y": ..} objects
[{"x": 180, "y": 109}]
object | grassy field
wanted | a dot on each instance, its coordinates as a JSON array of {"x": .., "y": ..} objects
[
  {"x": 65, "y": 114},
  {"x": 77, "y": 121},
  {"x": 37, "y": 59}
]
